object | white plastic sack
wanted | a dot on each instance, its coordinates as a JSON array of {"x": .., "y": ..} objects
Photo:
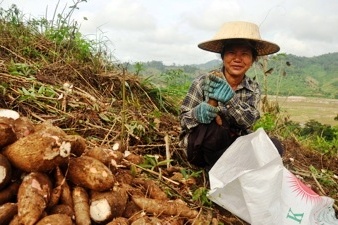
[{"x": 250, "y": 181}]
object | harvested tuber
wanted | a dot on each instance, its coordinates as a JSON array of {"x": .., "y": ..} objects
[
  {"x": 55, "y": 196},
  {"x": 105, "y": 206},
  {"x": 109, "y": 157},
  {"x": 62, "y": 209},
  {"x": 7, "y": 212},
  {"x": 40, "y": 151},
  {"x": 55, "y": 219},
  {"x": 124, "y": 176},
  {"x": 81, "y": 206},
  {"x": 49, "y": 128},
  {"x": 133, "y": 158},
  {"x": 33, "y": 197},
  {"x": 119, "y": 221},
  {"x": 90, "y": 173},
  {"x": 66, "y": 195},
  {"x": 8, "y": 113},
  {"x": 7, "y": 134},
  {"x": 170, "y": 208},
  {"x": 205, "y": 217},
  {"x": 159, "y": 220},
  {"x": 141, "y": 220},
  {"x": 5, "y": 171},
  {"x": 9, "y": 192},
  {"x": 176, "y": 221},
  {"x": 15, "y": 220},
  {"x": 152, "y": 189},
  {"x": 79, "y": 144},
  {"x": 23, "y": 127},
  {"x": 131, "y": 210}
]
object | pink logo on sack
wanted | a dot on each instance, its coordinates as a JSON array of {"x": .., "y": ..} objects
[{"x": 301, "y": 189}]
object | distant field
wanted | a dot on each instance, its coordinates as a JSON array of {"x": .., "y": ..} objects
[{"x": 303, "y": 109}]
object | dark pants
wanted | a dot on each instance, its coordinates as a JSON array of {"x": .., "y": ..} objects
[{"x": 207, "y": 142}]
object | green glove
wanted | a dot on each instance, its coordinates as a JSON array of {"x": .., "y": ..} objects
[
  {"x": 218, "y": 89},
  {"x": 204, "y": 113}
]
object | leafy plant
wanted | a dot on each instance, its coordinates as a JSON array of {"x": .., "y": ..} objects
[
  {"x": 20, "y": 69},
  {"x": 267, "y": 122},
  {"x": 200, "y": 195},
  {"x": 33, "y": 93},
  {"x": 135, "y": 128},
  {"x": 139, "y": 67},
  {"x": 322, "y": 138},
  {"x": 328, "y": 147},
  {"x": 314, "y": 128},
  {"x": 3, "y": 88},
  {"x": 152, "y": 161},
  {"x": 12, "y": 15},
  {"x": 173, "y": 86},
  {"x": 325, "y": 177},
  {"x": 290, "y": 128},
  {"x": 187, "y": 173},
  {"x": 27, "y": 94}
]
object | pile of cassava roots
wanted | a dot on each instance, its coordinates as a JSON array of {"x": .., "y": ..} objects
[{"x": 50, "y": 177}]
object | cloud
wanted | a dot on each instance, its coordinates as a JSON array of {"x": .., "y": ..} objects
[
  {"x": 169, "y": 31},
  {"x": 209, "y": 15},
  {"x": 117, "y": 15}
]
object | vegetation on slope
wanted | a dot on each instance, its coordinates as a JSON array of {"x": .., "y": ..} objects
[
  {"x": 50, "y": 72},
  {"x": 290, "y": 75}
]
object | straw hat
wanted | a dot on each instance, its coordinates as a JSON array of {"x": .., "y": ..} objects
[{"x": 239, "y": 30}]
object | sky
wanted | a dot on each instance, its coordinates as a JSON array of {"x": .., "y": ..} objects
[{"x": 170, "y": 30}]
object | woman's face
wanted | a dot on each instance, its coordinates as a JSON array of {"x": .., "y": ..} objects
[{"x": 237, "y": 60}]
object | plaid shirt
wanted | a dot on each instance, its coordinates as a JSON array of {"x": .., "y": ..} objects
[{"x": 240, "y": 112}]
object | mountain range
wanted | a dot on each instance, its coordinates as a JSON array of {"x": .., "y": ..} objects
[{"x": 281, "y": 74}]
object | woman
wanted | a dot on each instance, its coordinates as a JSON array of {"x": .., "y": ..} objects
[{"x": 208, "y": 129}]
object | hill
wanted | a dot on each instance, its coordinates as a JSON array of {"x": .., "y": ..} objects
[
  {"x": 304, "y": 76},
  {"x": 291, "y": 75}
]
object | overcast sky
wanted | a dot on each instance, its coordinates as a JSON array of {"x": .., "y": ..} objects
[{"x": 170, "y": 30}]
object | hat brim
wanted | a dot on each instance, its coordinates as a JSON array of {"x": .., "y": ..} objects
[{"x": 261, "y": 46}]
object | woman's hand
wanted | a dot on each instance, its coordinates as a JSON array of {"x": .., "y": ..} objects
[
  {"x": 204, "y": 113},
  {"x": 218, "y": 89}
]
